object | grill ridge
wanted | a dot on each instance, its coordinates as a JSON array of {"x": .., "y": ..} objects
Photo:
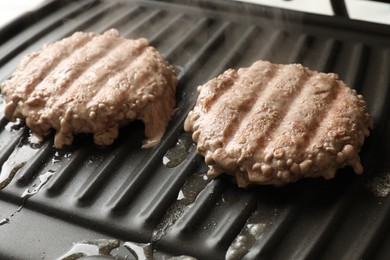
[{"x": 10, "y": 146}]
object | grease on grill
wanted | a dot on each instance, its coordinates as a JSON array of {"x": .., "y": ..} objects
[
  {"x": 379, "y": 185},
  {"x": 254, "y": 229},
  {"x": 14, "y": 126},
  {"x": 29, "y": 192},
  {"x": 97, "y": 247},
  {"x": 25, "y": 151},
  {"x": 60, "y": 155},
  {"x": 4, "y": 221},
  {"x": 140, "y": 251},
  {"x": 8, "y": 219},
  {"x": 186, "y": 197},
  {"x": 178, "y": 153},
  {"x": 195, "y": 184},
  {"x": 42, "y": 180},
  {"x": 18, "y": 158},
  {"x": 115, "y": 249}
]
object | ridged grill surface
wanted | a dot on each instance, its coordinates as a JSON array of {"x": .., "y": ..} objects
[{"x": 127, "y": 193}]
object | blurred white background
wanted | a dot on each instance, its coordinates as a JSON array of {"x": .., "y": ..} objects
[
  {"x": 10, "y": 9},
  {"x": 358, "y": 9}
]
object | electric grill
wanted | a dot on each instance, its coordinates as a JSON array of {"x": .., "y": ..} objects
[{"x": 86, "y": 196}]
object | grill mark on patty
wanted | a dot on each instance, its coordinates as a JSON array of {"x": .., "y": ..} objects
[
  {"x": 70, "y": 85},
  {"x": 64, "y": 56},
  {"x": 323, "y": 114},
  {"x": 241, "y": 103},
  {"x": 119, "y": 72},
  {"x": 68, "y": 70},
  {"x": 46, "y": 57},
  {"x": 312, "y": 121},
  {"x": 245, "y": 108},
  {"x": 40, "y": 68},
  {"x": 78, "y": 88},
  {"x": 219, "y": 87},
  {"x": 332, "y": 108},
  {"x": 269, "y": 110}
]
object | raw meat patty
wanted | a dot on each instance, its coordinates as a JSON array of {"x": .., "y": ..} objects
[
  {"x": 92, "y": 83},
  {"x": 275, "y": 124}
]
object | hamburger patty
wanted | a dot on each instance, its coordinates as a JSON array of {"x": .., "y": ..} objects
[
  {"x": 92, "y": 83},
  {"x": 275, "y": 124}
]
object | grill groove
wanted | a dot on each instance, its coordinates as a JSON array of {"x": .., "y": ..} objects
[
  {"x": 204, "y": 50},
  {"x": 235, "y": 52},
  {"x": 61, "y": 178},
  {"x": 97, "y": 180},
  {"x": 357, "y": 66},
  {"x": 329, "y": 55},
  {"x": 143, "y": 23},
  {"x": 168, "y": 192},
  {"x": 117, "y": 19},
  {"x": 300, "y": 48},
  {"x": 189, "y": 221},
  {"x": 264, "y": 248}
]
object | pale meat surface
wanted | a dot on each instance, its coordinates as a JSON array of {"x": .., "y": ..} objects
[
  {"x": 275, "y": 124},
  {"x": 92, "y": 83}
]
